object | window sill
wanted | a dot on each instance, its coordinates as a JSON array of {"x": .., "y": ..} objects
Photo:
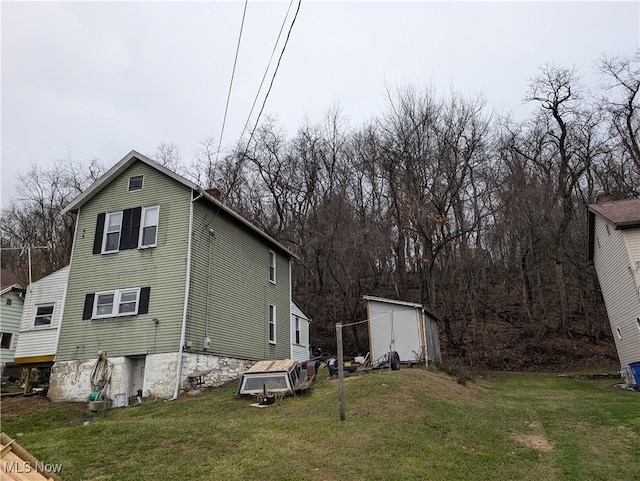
[
  {"x": 273, "y": 343},
  {"x": 116, "y": 316},
  {"x": 144, "y": 248}
]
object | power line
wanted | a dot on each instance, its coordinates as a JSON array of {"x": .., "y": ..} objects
[
  {"x": 264, "y": 76},
  {"x": 274, "y": 75},
  {"x": 233, "y": 72}
]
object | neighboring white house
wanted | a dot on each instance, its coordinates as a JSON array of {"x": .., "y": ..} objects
[
  {"x": 614, "y": 248},
  {"x": 404, "y": 327},
  {"x": 11, "y": 301},
  {"x": 299, "y": 334},
  {"x": 41, "y": 318}
]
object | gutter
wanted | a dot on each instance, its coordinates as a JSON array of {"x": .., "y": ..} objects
[{"x": 187, "y": 285}]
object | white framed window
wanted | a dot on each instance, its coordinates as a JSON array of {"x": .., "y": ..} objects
[
  {"x": 121, "y": 302},
  {"x": 5, "y": 340},
  {"x": 297, "y": 328},
  {"x": 112, "y": 230},
  {"x": 619, "y": 333},
  {"x": 149, "y": 227},
  {"x": 272, "y": 324},
  {"x": 136, "y": 182},
  {"x": 272, "y": 267},
  {"x": 43, "y": 315}
]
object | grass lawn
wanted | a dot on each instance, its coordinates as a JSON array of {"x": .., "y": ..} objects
[{"x": 410, "y": 424}]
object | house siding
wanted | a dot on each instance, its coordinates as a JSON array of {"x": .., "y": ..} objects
[
  {"x": 300, "y": 351},
  {"x": 239, "y": 290},
  {"x": 615, "y": 270},
  {"x": 42, "y": 341},
  {"x": 10, "y": 316},
  {"x": 632, "y": 239},
  {"x": 162, "y": 268}
]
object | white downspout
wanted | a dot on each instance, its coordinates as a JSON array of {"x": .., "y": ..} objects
[
  {"x": 187, "y": 285},
  {"x": 291, "y": 321}
]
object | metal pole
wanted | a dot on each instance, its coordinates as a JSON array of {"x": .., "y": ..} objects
[
  {"x": 29, "y": 255},
  {"x": 340, "y": 369}
]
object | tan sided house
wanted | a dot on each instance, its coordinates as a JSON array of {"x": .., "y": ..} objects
[
  {"x": 166, "y": 280},
  {"x": 614, "y": 248}
]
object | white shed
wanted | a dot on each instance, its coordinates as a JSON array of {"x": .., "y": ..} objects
[
  {"x": 404, "y": 327},
  {"x": 299, "y": 334},
  {"x": 614, "y": 248},
  {"x": 41, "y": 319}
]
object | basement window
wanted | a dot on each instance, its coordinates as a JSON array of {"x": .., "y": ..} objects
[{"x": 136, "y": 182}]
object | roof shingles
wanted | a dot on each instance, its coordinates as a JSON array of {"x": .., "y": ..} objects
[{"x": 623, "y": 214}]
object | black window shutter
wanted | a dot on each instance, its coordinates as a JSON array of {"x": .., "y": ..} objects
[
  {"x": 135, "y": 226},
  {"x": 125, "y": 232},
  {"x": 87, "y": 312},
  {"x": 97, "y": 240},
  {"x": 130, "y": 228},
  {"x": 143, "y": 306}
]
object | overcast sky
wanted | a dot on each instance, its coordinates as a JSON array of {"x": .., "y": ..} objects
[{"x": 96, "y": 80}]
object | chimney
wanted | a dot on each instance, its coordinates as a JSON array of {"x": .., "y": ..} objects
[
  {"x": 215, "y": 193},
  {"x": 603, "y": 198}
]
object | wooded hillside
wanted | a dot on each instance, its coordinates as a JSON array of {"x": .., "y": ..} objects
[{"x": 437, "y": 200}]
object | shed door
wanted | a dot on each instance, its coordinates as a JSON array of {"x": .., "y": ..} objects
[{"x": 396, "y": 328}]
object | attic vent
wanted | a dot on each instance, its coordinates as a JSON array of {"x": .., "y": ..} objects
[{"x": 135, "y": 182}]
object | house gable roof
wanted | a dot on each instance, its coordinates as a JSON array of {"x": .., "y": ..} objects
[
  {"x": 134, "y": 156},
  {"x": 295, "y": 305},
  {"x": 12, "y": 287},
  {"x": 623, "y": 214}
]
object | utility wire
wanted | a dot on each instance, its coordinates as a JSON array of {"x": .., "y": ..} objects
[
  {"x": 233, "y": 72},
  {"x": 275, "y": 45},
  {"x": 273, "y": 77}
]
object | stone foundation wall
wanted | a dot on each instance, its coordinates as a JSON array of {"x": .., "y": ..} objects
[{"x": 70, "y": 380}]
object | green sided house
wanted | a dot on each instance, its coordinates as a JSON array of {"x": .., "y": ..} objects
[{"x": 167, "y": 281}]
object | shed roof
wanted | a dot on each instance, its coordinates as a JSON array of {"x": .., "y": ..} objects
[
  {"x": 623, "y": 214},
  {"x": 400, "y": 303},
  {"x": 134, "y": 156}
]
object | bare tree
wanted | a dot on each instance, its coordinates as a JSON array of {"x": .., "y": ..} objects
[{"x": 34, "y": 217}]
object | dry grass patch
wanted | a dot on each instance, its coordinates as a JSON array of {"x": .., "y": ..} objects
[{"x": 535, "y": 441}]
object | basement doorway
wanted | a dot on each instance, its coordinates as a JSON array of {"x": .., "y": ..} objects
[{"x": 136, "y": 375}]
